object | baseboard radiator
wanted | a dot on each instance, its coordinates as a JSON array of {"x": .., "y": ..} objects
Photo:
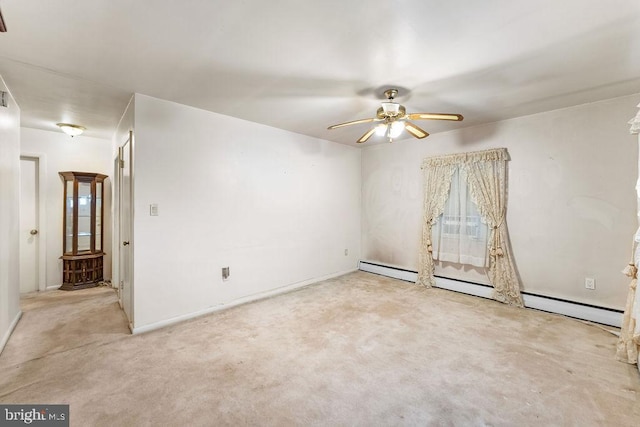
[{"x": 602, "y": 315}]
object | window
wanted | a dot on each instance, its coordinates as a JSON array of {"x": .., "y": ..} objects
[{"x": 460, "y": 235}]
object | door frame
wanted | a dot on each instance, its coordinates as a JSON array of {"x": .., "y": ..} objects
[
  {"x": 115, "y": 222},
  {"x": 41, "y": 226},
  {"x": 117, "y": 239}
]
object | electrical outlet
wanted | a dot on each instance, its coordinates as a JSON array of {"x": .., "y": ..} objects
[
  {"x": 590, "y": 283},
  {"x": 346, "y": 252},
  {"x": 225, "y": 273}
]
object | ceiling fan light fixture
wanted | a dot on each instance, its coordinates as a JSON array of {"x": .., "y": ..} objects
[
  {"x": 70, "y": 129},
  {"x": 395, "y": 129},
  {"x": 381, "y": 129}
]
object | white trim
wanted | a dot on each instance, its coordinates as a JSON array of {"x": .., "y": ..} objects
[
  {"x": 115, "y": 226},
  {"x": 12, "y": 326},
  {"x": 538, "y": 302},
  {"x": 236, "y": 302},
  {"x": 42, "y": 216},
  {"x": 117, "y": 239},
  {"x": 132, "y": 226}
]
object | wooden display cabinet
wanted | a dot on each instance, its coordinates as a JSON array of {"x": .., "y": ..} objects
[{"x": 82, "y": 230}]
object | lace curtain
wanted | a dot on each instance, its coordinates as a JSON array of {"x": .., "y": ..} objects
[
  {"x": 460, "y": 234},
  {"x": 486, "y": 173},
  {"x": 635, "y": 123},
  {"x": 629, "y": 342},
  {"x": 437, "y": 180}
]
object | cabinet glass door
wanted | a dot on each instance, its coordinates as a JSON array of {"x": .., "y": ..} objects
[
  {"x": 98, "y": 217},
  {"x": 84, "y": 216},
  {"x": 68, "y": 213}
]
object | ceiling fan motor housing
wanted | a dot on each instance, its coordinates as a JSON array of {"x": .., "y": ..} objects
[
  {"x": 390, "y": 93},
  {"x": 391, "y": 110}
]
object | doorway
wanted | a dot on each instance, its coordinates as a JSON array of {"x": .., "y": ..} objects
[{"x": 32, "y": 232}]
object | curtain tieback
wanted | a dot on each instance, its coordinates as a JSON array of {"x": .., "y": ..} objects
[
  {"x": 429, "y": 245},
  {"x": 496, "y": 249},
  {"x": 631, "y": 270}
]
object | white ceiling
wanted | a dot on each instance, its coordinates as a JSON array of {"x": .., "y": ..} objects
[{"x": 302, "y": 65}]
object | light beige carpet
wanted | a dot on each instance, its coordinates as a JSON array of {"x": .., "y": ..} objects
[{"x": 358, "y": 350}]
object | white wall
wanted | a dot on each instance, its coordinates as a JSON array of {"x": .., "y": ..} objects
[
  {"x": 9, "y": 216},
  {"x": 63, "y": 153},
  {"x": 571, "y": 210},
  {"x": 278, "y": 208}
]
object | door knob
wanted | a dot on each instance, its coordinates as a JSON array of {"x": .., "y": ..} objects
[
  {"x": 33, "y": 232},
  {"x": 125, "y": 243}
]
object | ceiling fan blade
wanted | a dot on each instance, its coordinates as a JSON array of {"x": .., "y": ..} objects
[
  {"x": 435, "y": 116},
  {"x": 366, "y": 136},
  {"x": 415, "y": 130},
  {"x": 355, "y": 122}
]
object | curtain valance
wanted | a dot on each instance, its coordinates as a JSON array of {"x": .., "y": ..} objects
[{"x": 495, "y": 154}]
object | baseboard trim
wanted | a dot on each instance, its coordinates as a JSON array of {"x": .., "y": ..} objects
[
  {"x": 236, "y": 302},
  {"x": 602, "y": 315},
  {"x": 7, "y": 335}
]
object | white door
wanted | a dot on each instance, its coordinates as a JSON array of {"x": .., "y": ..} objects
[
  {"x": 125, "y": 262},
  {"x": 29, "y": 241}
]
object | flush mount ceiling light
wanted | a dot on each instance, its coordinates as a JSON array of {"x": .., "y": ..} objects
[{"x": 71, "y": 130}]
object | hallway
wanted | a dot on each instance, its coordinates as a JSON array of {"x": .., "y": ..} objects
[{"x": 57, "y": 322}]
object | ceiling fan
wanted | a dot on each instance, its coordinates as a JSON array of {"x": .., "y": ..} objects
[{"x": 392, "y": 118}]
